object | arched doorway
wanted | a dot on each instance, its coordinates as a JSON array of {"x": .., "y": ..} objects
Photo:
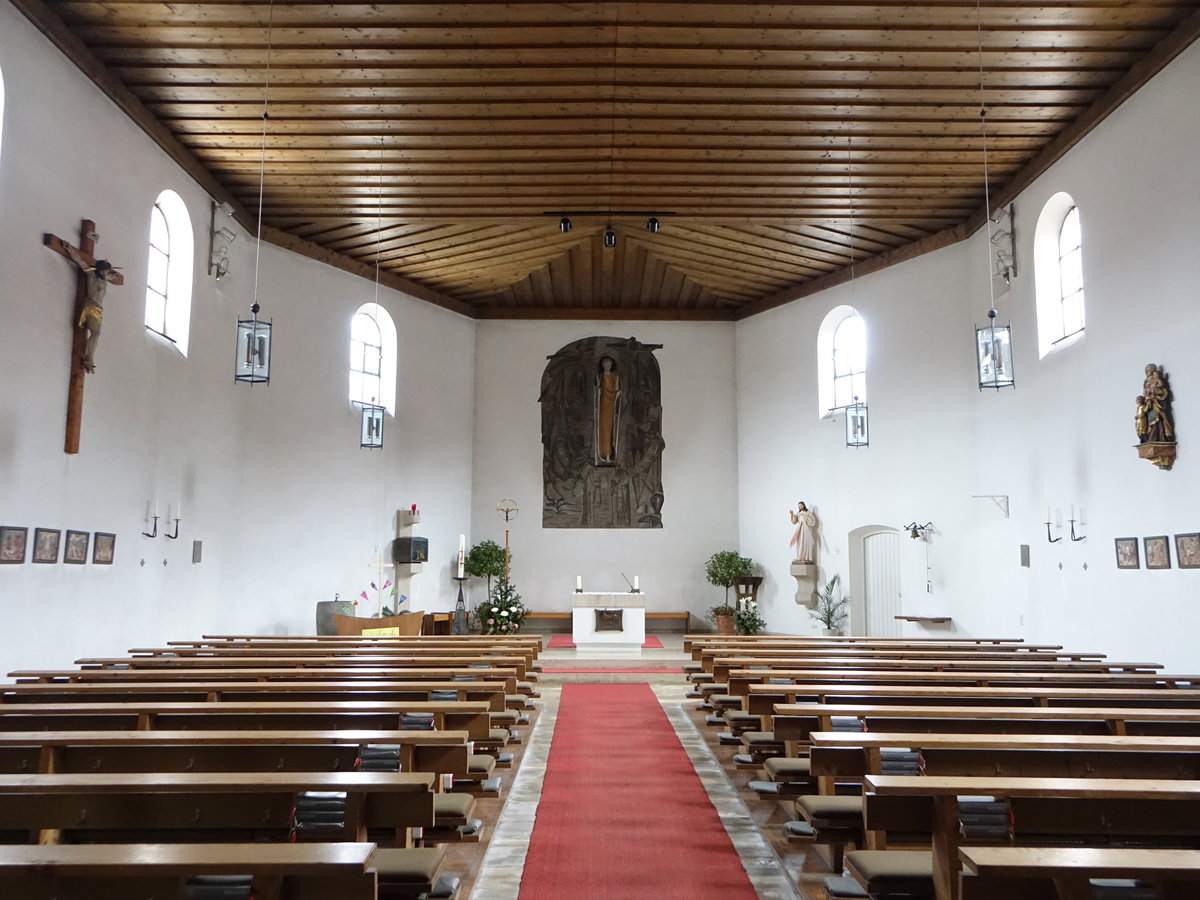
[{"x": 875, "y": 581}]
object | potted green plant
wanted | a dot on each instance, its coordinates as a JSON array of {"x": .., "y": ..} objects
[
  {"x": 721, "y": 569},
  {"x": 486, "y": 560},
  {"x": 832, "y": 606}
]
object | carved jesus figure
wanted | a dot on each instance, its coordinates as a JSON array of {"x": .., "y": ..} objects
[
  {"x": 98, "y": 279},
  {"x": 804, "y": 537},
  {"x": 608, "y": 395}
]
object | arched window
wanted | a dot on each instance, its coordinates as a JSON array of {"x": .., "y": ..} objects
[
  {"x": 841, "y": 360},
  {"x": 169, "y": 271},
  {"x": 1058, "y": 263},
  {"x": 373, "y": 357}
]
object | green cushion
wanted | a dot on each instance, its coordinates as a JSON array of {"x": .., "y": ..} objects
[
  {"x": 409, "y": 865},
  {"x": 453, "y": 809},
  {"x": 781, "y": 768},
  {"x": 843, "y": 810},
  {"x": 889, "y": 870}
]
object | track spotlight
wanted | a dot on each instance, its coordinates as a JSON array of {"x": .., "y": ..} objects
[
  {"x": 564, "y": 224},
  {"x": 652, "y": 225},
  {"x": 610, "y": 237}
]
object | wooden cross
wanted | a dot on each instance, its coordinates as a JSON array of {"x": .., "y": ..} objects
[{"x": 85, "y": 251}]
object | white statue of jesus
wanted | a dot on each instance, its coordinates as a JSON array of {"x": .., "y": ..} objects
[{"x": 804, "y": 538}]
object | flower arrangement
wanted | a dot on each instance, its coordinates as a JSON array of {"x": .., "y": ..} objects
[
  {"x": 748, "y": 620},
  {"x": 503, "y": 612}
]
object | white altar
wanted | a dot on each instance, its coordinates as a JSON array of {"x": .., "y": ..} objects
[{"x": 584, "y": 621}]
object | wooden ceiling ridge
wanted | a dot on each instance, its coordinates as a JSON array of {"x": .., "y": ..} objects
[{"x": 435, "y": 135}]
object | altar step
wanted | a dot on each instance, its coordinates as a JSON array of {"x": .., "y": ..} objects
[{"x": 566, "y": 667}]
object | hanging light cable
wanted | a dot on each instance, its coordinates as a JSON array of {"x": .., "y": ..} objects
[
  {"x": 857, "y": 433},
  {"x": 253, "y": 343},
  {"x": 371, "y": 434},
  {"x": 993, "y": 343}
]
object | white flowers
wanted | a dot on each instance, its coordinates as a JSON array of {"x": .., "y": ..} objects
[
  {"x": 495, "y": 609},
  {"x": 504, "y": 612}
]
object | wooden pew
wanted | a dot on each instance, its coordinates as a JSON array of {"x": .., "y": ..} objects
[
  {"x": 245, "y": 750},
  {"x": 492, "y": 693},
  {"x": 341, "y": 871},
  {"x": 377, "y": 661},
  {"x": 741, "y": 679},
  {"x": 849, "y": 655},
  {"x": 913, "y": 802},
  {"x": 722, "y": 666},
  {"x": 794, "y": 722},
  {"x": 470, "y": 717},
  {"x": 692, "y": 640},
  {"x": 274, "y": 674},
  {"x": 196, "y": 806},
  {"x": 763, "y": 697},
  {"x": 474, "y": 653},
  {"x": 846, "y": 756},
  {"x": 1062, "y": 873}
]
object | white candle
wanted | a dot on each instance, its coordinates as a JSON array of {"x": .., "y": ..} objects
[
  {"x": 462, "y": 555},
  {"x": 635, "y": 582},
  {"x": 1047, "y": 515},
  {"x": 155, "y": 513},
  {"x": 579, "y": 582},
  {"x": 179, "y": 510},
  {"x": 1072, "y": 512},
  {"x": 1058, "y": 518},
  {"x": 1083, "y": 515}
]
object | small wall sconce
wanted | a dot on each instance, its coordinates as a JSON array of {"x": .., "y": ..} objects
[
  {"x": 178, "y": 516},
  {"x": 252, "y": 363},
  {"x": 152, "y": 516},
  {"x": 372, "y": 426},
  {"x": 916, "y": 531},
  {"x": 1080, "y": 520},
  {"x": 1057, "y": 523},
  {"x": 610, "y": 237}
]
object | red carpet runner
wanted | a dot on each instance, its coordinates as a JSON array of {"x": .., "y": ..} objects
[{"x": 623, "y": 815}]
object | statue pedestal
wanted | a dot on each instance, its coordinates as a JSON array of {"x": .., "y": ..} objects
[
  {"x": 806, "y": 583},
  {"x": 1161, "y": 453}
]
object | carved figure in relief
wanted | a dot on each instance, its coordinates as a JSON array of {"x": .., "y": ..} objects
[
  {"x": 804, "y": 538},
  {"x": 608, "y": 398},
  {"x": 98, "y": 278},
  {"x": 1152, "y": 420}
]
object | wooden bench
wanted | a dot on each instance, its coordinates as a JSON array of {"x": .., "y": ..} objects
[
  {"x": 267, "y": 675},
  {"x": 692, "y": 640},
  {"x": 1062, "y": 873},
  {"x": 245, "y": 750},
  {"x": 492, "y": 693},
  {"x": 740, "y": 679},
  {"x": 471, "y": 717},
  {"x": 342, "y": 871},
  {"x": 762, "y": 698},
  {"x": 722, "y": 666},
  {"x": 794, "y": 722},
  {"x": 679, "y": 619},
  {"x": 197, "y": 806},
  {"x": 395, "y": 663},
  {"x": 1152, "y": 810}
]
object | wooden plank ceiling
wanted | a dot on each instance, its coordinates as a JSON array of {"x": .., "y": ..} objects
[{"x": 775, "y": 142}]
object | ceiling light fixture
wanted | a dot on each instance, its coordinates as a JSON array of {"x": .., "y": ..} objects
[
  {"x": 252, "y": 347},
  {"x": 610, "y": 236},
  {"x": 564, "y": 224},
  {"x": 993, "y": 343},
  {"x": 652, "y": 225}
]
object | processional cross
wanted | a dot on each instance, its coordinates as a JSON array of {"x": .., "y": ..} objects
[{"x": 94, "y": 277}]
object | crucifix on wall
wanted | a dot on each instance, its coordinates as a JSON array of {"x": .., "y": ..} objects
[{"x": 95, "y": 275}]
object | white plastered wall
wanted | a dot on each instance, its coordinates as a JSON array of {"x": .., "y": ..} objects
[
  {"x": 1064, "y": 436},
  {"x": 698, "y": 465},
  {"x": 272, "y": 480}
]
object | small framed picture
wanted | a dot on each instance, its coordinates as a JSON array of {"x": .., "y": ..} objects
[
  {"x": 77, "y": 547},
  {"x": 1187, "y": 551},
  {"x": 102, "y": 548},
  {"x": 45, "y": 544},
  {"x": 1158, "y": 552},
  {"x": 12, "y": 543},
  {"x": 1127, "y": 553}
]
